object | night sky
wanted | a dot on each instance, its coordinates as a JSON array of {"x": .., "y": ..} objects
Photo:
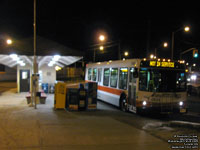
[{"x": 140, "y": 26}]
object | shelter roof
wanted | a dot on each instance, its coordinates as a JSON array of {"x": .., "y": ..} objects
[{"x": 23, "y": 60}]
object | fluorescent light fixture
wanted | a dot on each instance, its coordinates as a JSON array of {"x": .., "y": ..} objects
[
  {"x": 19, "y": 61},
  {"x": 23, "y": 64},
  {"x": 14, "y": 57},
  {"x": 50, "y": 64},
  {"x": 58, "y": 68},
  {"x": 56, "y": 57}
]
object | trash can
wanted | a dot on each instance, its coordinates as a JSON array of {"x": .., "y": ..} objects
[
  {"x": 91, "y": 99},
  {"x": 45, "y": 87},
  {"x": 82, "y": 99},
  {"x": 72, "y": 99},
  {"x": 60, "y": 96}
]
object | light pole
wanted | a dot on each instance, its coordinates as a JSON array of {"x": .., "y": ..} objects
[
  {"x": 186, "y": 29},
  {"x": 34, "y": 58}
]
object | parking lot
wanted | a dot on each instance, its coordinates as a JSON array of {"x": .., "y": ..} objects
[{"x": 25, "y": 128}]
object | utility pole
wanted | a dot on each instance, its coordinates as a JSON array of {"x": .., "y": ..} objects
[{"x": 34, "y": 59}]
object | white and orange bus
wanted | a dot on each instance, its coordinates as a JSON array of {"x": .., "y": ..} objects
[{"x": 140, "y": 84}]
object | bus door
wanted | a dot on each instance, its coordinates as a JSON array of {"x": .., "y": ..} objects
[{"x": 132, "y": 90}]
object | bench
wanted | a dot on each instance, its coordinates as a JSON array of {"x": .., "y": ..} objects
[
  {"x": 28, "y": 97},
  {"x": 41, "y": 94},
  {"x": 43, "y": 97}
]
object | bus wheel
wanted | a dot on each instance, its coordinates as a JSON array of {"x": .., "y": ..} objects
[{"x": 123, "y": 103}]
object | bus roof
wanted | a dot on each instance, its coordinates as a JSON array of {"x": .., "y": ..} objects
[
  {"x": 116, "y": 63},
  {"x": 150, "y": 63}
]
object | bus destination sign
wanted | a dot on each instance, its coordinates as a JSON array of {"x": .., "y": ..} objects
[{"x": 161, "y": 64}]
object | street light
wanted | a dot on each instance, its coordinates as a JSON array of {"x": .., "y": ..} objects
[
  {"x": 102, "y": 38},
  {"x": 9, "y": 41},
  {"x": 186, "y": 29},
  {"x": 165, "y": 44},
  {"x": 101, "y": 48},
  {"x": 126, "y": 53}
]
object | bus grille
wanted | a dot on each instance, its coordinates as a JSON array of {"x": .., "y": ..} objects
[{"x": 166, "y": 104}]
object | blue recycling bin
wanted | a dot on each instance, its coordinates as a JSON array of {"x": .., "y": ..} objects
[{"x": 45, "y": 87}]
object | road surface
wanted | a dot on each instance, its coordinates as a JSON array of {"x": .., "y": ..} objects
[{"x": 24, "y": 128}]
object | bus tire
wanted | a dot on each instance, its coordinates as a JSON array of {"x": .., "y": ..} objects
[{"x": 123, "y": 102}]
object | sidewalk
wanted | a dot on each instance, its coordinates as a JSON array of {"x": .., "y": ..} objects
[{"x": 24, "y": 128}]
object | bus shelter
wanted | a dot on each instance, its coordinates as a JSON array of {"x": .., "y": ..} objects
[
  {"x": 47, "y": 67},
  {"x": 50, "y": 56}
]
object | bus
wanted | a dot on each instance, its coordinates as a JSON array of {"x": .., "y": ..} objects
[{"x": 138, "y": 85}]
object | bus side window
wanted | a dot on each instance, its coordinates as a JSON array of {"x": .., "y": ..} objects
[
  {"x": 106, "y": 76},
  {"x": 99, "y": 74},
  {"x": 131, "y": 75},
  {"x": 89, "y": 73},
  {"x": 123, "y": 76},
  {"x": 94, "y": 74},
  {"x": 114, "y": 77}
]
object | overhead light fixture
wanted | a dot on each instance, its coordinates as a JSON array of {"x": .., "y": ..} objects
[
  {"x": 17, "y": 59},
  {"x": 50, "y": 64},
  {"x": 56, "y": 57},
  {"x": 58, "y": 68},
  {"x": 23, "y": 64},
  {"x": 54, "y": 60},
  {"x": 14, "y": 57}
]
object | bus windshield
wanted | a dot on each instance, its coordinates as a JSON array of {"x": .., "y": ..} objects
[{"x": 162, "y": 80}]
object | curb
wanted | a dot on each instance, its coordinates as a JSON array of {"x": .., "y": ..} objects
[{"x": 184, "y": 124}]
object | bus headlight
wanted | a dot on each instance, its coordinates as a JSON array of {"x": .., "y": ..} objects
[
  {"x": 180, "y": 103},
  {"x": 144, "y": 103}
]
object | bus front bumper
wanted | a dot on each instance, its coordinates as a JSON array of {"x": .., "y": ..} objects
[{"x": 163, "y": 109}]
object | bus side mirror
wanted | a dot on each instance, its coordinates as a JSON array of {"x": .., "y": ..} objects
[{"x": 135, "y": 73}]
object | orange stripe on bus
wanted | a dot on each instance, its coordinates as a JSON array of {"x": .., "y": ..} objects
[{"x": 110, "y": 90}]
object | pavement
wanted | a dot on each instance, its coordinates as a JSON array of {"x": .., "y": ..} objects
[{"x": 26, "y": 128}]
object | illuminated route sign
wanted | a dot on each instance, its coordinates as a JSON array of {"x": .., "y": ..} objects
[{"x": 161, "y": 64}]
